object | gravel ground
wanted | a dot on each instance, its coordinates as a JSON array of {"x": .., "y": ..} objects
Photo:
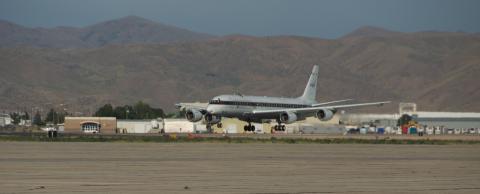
[{"x": 43, "y": 167}]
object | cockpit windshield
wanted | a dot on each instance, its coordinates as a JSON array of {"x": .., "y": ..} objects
[{"x": 214, "y": 101}]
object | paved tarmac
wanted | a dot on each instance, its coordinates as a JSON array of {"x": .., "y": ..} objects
[
  {"x": 467, "y": 137},
  {"x": 43, "y": 167}
]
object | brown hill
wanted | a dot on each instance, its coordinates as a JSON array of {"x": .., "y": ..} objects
[
  {"x": 127, "y": 30},
  {"x": 371, "y": 31},
  {"x": 437, "y": 70}
]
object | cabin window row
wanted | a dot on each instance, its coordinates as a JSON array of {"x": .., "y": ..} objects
[{"x": 256, "y": 104}]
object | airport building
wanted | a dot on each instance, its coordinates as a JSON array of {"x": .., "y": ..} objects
[
  {"x": 445, "y": 122},
  {"x": 105, "y": 125},
  {"x": 139, "y": 126},
  {"x": 183, "y": 126},
  {"x": 232, "y": 125},
  {"x": 110, "y": 125},
  {"x": 441, "y": 121},
  {"x": 449, "y": 120},
  {"x": 309, "y": 125},
  {"x": 5, "y": 120},
  {"x": 369, "y": 119},
  {"x": 339, "y": 124}
]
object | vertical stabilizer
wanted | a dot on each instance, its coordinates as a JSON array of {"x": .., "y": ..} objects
[{"x": 310, "y": 92}]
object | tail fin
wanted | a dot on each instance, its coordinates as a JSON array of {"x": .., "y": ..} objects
[{"x": 310, "y": 92}]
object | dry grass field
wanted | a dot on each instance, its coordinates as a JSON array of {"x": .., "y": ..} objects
[{"x": 55, "y": 167}]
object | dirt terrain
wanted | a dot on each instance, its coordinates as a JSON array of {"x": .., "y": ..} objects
[
  {"x": 437, "y": 70},
  {"x": 46, "y": 167}
]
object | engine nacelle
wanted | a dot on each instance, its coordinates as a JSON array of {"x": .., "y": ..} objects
[
  {"x": 288, "y": 117},
  {"x": 193, "y": 115},
  {"x": 324, "y": 114},
  {"x": 212, "y": 119}
]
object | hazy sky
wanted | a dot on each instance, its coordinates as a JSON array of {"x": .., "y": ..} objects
[{"x": 319, "y": 18}]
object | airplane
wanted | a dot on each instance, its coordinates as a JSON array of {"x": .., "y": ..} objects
[{"x": 259, "y": 109}]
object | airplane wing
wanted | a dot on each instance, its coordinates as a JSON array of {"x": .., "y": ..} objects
[
  {"x": 195, "y": 105},
  {"x": 331, "y": 102},
  {"x": 316, "y": 108}
]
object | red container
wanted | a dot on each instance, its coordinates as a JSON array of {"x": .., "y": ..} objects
[{"x": 404, "y": 130}]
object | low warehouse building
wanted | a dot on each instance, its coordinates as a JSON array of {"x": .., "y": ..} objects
[
  {"x": 309, "y": 125},
  {"x": 376, "y": 119},
  {"x": 5, "y": 120},
  {"x": 139, "y": 126},
  {"x": 106, "y": 125},
  {"x": 183, "y": 126},
  {"x": 429, "y": 122},
  {"x": 232, "y": 125},
  {"x": 450, "y": 120}
]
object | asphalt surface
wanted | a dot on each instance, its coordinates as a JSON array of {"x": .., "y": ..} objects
[{"x": 46, "y": 167}]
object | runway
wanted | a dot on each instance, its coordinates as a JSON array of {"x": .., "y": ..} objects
[{"x": 55, "y": 167}]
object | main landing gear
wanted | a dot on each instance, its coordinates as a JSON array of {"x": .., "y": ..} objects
[
  {"x": 249, "y": 127},
  {"x": 279, "y": 127}
]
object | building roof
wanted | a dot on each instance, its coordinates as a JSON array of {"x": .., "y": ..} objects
[
  {"x": 447, "y": 115},
  {"x": 137, "y": 120},
  {"x": 90, "y": 118},
  {"x": 175, "y": 119}
]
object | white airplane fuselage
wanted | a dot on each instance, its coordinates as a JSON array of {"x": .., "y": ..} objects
[{"x": 238, "y": 106}]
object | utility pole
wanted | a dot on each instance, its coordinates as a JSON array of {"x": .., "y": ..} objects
[{"x": 31, "y": 117}]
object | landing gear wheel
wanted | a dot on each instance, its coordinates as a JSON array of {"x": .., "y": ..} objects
[
  {"x": 249, "y": 127},
  {"x": 279, "y": 127}
]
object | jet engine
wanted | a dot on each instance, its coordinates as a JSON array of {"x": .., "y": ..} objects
[
  {"x": 324, "y": 114},
  {"x": 193, "y": 115},
  {"x": 288, "y": 117},
  {"x": 212, "y": 119}
]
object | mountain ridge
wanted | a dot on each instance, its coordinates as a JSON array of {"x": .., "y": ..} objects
[
  {"x": 125, "y": 30},
  {"x": 438, "y": 70}
]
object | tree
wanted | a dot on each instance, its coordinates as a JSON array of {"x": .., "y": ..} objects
[
  {"x": 25, "y": 116},
  {"x": 119, "y": 112},
  {"x": 52, "y": 116},
  {"x": 129, "y": 112},
  {"x": 181, "y": 113},
  {"x": 61, "y": 117},
  {"x": 105, "y": 111},
  {"x": 139, "y": 110},
  {"x": 158, "y": 112},
  {"x": 15, "y": 118},
  {"x": 37, "y": 119},
  {"x": 144, "y": 111},
  {"x": 404, "y": 119},
  {"x": 170, "y": 115},
  {"x": 178, "y": 114}
]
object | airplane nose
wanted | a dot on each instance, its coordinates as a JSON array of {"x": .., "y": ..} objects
[
  {"x": 178, "y": 106},
  {"x": 210, "y": 109}
]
